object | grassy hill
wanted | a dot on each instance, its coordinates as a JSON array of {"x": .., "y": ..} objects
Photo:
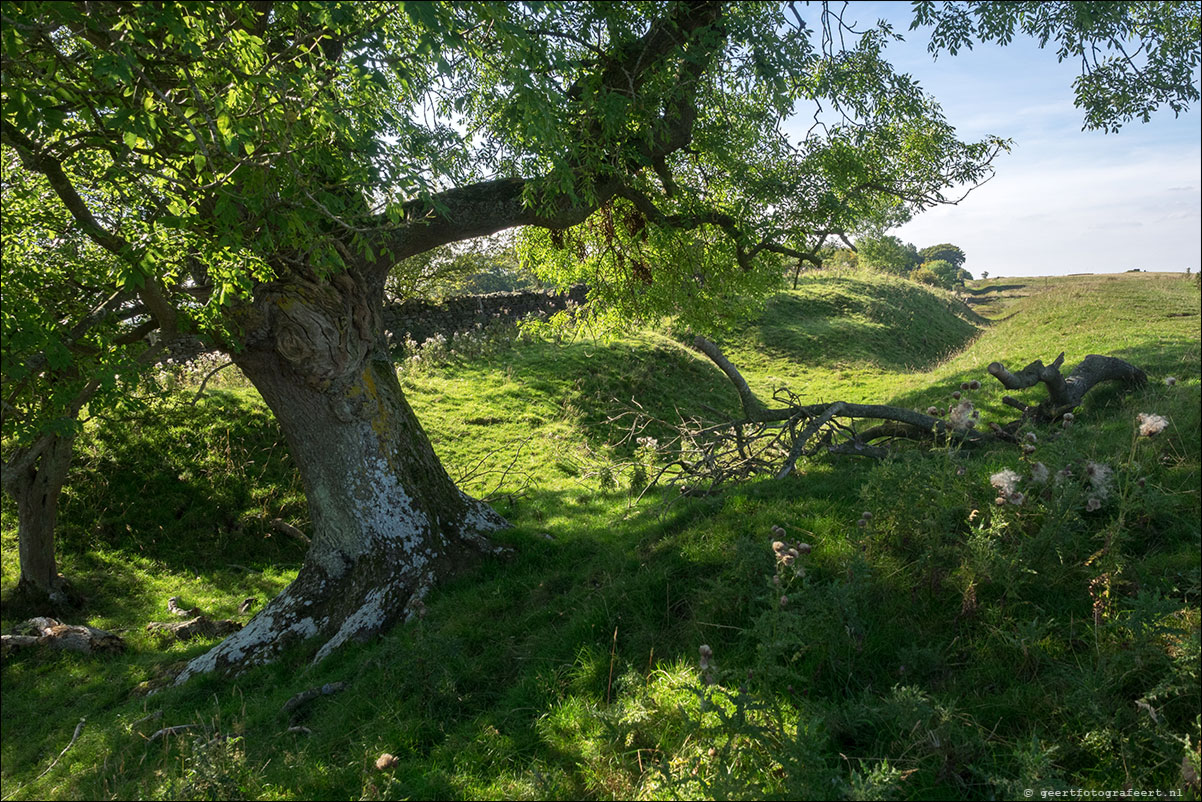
[{"x": 946, "y": 648}]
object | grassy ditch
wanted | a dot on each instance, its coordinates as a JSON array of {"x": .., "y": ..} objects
[{"x": 941, "y": 646}]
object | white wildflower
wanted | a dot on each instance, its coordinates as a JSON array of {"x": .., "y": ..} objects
[
  {"x": 962, "y": 416},
  {"x": 1150, "y": 425},
  {"x": 1039, "y": 473},
  {"x": 1099, "y": 478},
  {"x": 1170, "y": 381},
  {"x": 1005, "y": 481}
]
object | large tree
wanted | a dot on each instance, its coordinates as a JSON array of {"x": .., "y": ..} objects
[{"x": 281, "y": 158}]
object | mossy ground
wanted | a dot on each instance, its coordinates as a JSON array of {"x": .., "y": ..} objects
[{"x": 951, "y": 648}]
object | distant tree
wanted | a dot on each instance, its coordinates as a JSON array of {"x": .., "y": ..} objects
[
  {"x": 840, "y": 257},
  {"x": 924, "y": 276},
  {"x": 944, "y": 251},
  {"x": 888, "y": 254},
  {"x": 948, "y": 274},
  {"x": 984, "y": 275},
  {"x": 483, "y": 265}
]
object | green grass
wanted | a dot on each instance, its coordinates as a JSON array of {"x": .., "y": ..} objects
[{"x": 949, "y": 649}]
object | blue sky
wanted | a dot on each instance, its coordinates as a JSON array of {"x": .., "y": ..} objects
[{"x": 1063, "y": 200}]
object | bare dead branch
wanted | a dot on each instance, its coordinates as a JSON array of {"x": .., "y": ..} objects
[
  {"x": 705, "y": 455},
  {"x": 285, "y": 528},
  {"x": 1065, "y": 394},
  {"x": 752, "y": 406}
]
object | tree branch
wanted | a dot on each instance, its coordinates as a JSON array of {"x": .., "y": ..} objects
[{"x": 753, "y": 407}]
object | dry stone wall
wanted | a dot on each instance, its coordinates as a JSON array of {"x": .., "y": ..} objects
[{"x": 421, "y": 320}]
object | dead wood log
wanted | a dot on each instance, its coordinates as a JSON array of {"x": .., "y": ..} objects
[
  {"x": 173, "y": 605},
  {"x": 53, "y": 634},
  {"x": 1065, "y": 394},
  {"x": 771, "y": 440},
  {"x": 288, "y": 529}
]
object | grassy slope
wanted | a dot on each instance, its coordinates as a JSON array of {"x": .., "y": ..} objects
[{"x": 924, "y": 655}]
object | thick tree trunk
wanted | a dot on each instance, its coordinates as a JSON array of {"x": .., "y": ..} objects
[
  {"x": 386, "y": 517},
  {"x": 34, "y": 477}
]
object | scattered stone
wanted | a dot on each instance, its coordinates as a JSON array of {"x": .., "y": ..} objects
[
  {"x": 199, "y": 627},
  {"x": 173, "y": 605}
]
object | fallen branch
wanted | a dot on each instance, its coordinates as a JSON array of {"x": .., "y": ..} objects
[
  {"x": 288, "y": 529},
  {"x": 169, "y": 731},
  {"x": 182, "y": 612},
  {"x": 74, "y": 738},
  {"x": 1065, "y": 394},
  {"x": 199, "y": 627},
  {"x": 752, "y": 405},
  {"x": 293, "y": 705},
  {"x": 53, "y": 634},
  {"x": 770, "y": 440}
]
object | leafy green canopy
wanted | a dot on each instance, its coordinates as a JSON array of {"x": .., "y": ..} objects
[
  {"x": 64, "y": 339},
  {"x": 888, "y": 253},
  {"x": 1135, "y": 57},
  {"x": 264, "y": 140},
  {"x": 944, "y": 251}
]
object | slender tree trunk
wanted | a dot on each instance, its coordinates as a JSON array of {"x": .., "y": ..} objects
[
  {"x": 386, "y": 517},
  {"x": 34, "y": 477}
]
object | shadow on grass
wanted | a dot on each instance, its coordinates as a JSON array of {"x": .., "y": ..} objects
[
  {"x": 188, "y": 488},
  {"x": 504, "y": 643},
  {"x": 996, "y": 288}
]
